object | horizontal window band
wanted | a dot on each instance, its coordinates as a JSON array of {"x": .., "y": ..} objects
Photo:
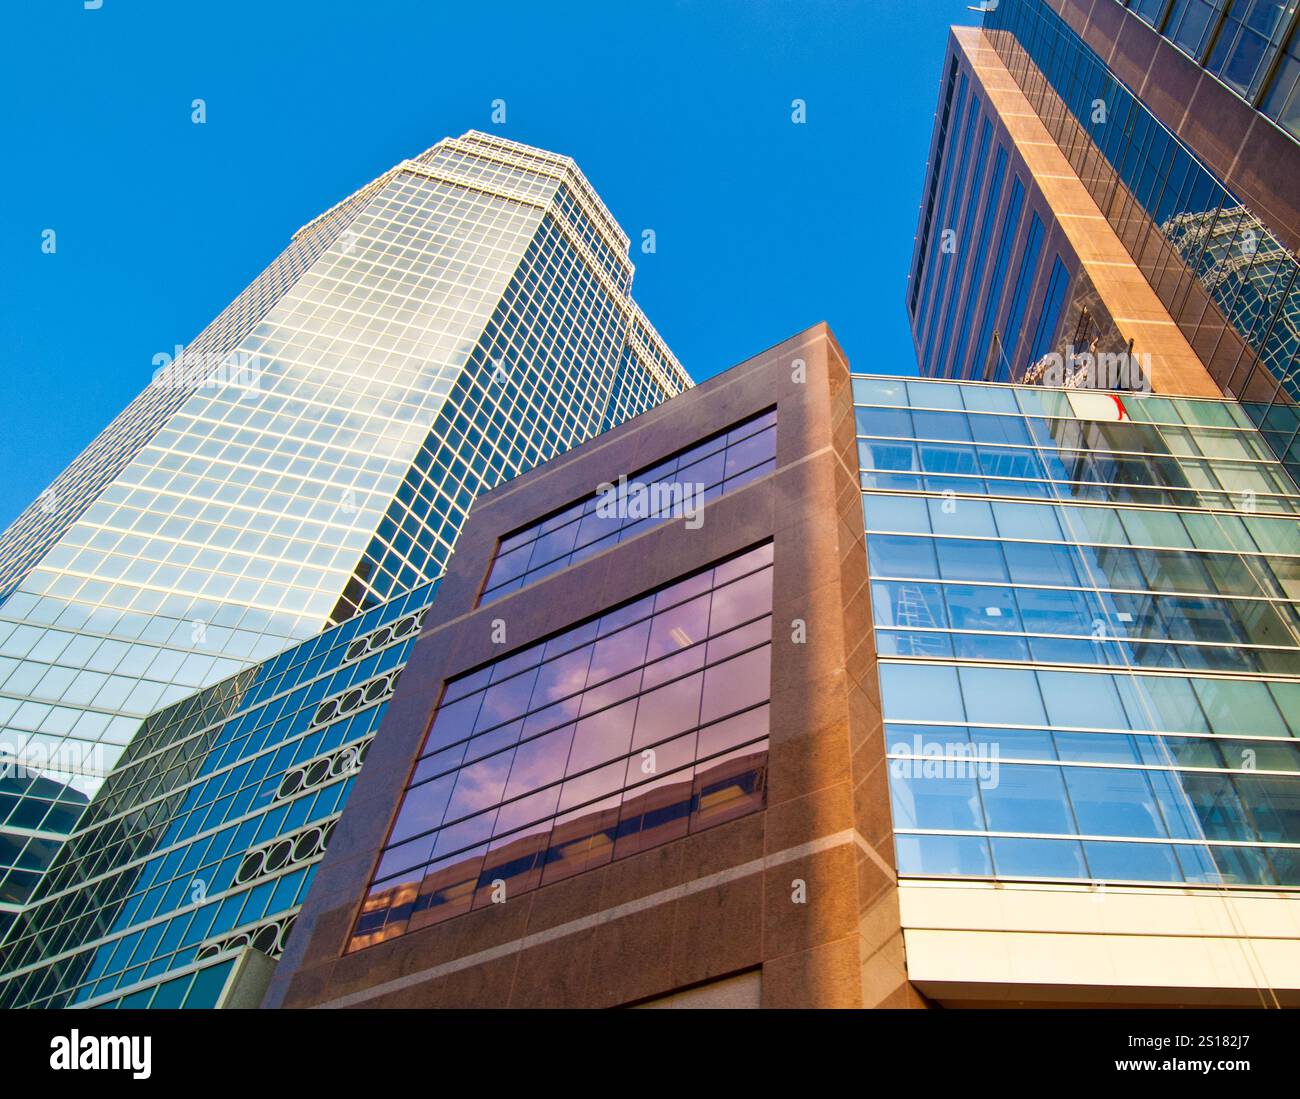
[
  {"x": 524, "y": 828},
  {"x": 604, "y": 683},
  {"x": 1090, "y": 838},
  {"x": 576, "y": 775},
  {"x": 1013, "y": 585},
  {"x": 974, "y": 759}
]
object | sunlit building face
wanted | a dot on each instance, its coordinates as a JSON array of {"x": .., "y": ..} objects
[{"x": 313, "y": 453}]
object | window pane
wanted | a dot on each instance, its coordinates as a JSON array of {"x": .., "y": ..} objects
[
  {"x": 960, "y": 559},
  {"x": 891, "y": 555},
  {"x": 1027, "y": 799},
  {"x": 921, "y": 692},
  {"x": 1034, "y": 858},
  {"x": 736, "y": 684},
  {"x": 1002, "y": 696},
  {"x": 956, "y": 856},
  {"x": 667, "y": 711},
  {"x": 936, "y": 802},
  {"x": 1113, "y": 803}
]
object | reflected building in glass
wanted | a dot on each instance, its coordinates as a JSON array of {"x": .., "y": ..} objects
[
  {"x": 310, "y": 456},
  {"x": 180, "y": 885},
  {"x": 1134, "y": 198},
  {"x": 1087, "y": 613}
]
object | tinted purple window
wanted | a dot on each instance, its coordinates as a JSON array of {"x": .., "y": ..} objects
[
  {"x": 709, "y": 469},
  {"x": 582, "y": 751}
]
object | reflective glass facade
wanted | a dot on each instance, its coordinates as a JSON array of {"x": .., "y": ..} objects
[
  {"x": 1250, "y": 45},
  {"x": 1232, "y": 287},
  {"x": 203, "y": 841},
  {"x": 459, "y": 320},
  {"x": 1087, "y": 613},
  {"x": 668, "y": 489},
  {"x": 626, "y": 731},
  {"x": 996, "y": 281}
]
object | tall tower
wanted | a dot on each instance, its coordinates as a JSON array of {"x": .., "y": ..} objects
[
  {"x": 312, "y": 453},
  {"x": 1014, "y": 260},
  {"x": 1137, "y": 196},
  {"x": 1111, "y": 687}
]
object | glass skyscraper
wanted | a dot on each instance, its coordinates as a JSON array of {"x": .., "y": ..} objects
[
  {"x": 196, "y": 854},
  {"x": 1118, "y": 145},
  {"x": 1014, "y": 267},
  {"x": 1106, "y": 215},
  {"x": 311, "y": 455},
  {"x": 1212, "y": 228}
]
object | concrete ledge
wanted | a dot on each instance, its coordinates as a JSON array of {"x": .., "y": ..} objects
[{"x": 982, "y": 943}]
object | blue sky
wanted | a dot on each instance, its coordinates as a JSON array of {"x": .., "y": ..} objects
[{"x": 678, "y": 113}]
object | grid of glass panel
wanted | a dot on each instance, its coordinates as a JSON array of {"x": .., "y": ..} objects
[
  {"x": 1248, "y": 40},
  {"x": 1281, "y": 101},
  {"x": 461, "y": 329},
  {"x": 1239, "y": 42},
  {"x": 646, "y": 360},
  {"x": 151, "y": 899},
  {"x": 48, "y": 517},
  {"x": 965, "y": 321},
  {"x": 937, "y": 170},
  {"x": 52, "y": 804},
  {"x": 1081, "y": 786},
  {"x": 554, "y": 377},
  {"x": 1095, "y": 677},
  {"x": 1190, "y": 24},
  {"x": 495, "y": 158},
  {"x": 1030, "y": 443},
  {"x": 621, "y": 733},
  {"x": 709, "y": 469},
  {"x": 939, "y": 272},
  {"x": 949, "y": 284},
  {"x": 1235, "y": 290}
]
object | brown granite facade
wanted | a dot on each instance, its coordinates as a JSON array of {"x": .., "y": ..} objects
[
  {"x": 795, "y": 905},
  {"x": 1246, "y": 153},
  {"x": 1239, "y": 144},
  {"x": 1123, "y": 310}
]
